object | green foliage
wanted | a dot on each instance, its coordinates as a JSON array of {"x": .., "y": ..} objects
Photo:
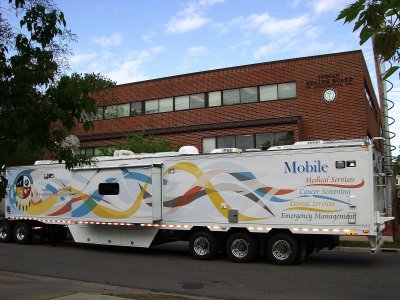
[
  {"x": 396, "y": 168},
  {"x": 380, "y": 20},
  {"x": 139, "y": 143},
  {"x": 38, "y": 106},
  {"x": 24, "y": 154}
]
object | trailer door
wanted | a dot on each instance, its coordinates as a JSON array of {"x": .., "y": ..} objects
[{"x": 156, "y": 175}]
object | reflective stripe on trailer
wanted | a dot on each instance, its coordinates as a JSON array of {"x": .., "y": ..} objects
[
  {"x": 325, "y": 230},
  {"x": 64, "y": 222},
  {"x": 310, "y": 230},
  {"x": 175, "y": 226},
  {"x": 259, "y": 229},
  {"x": 263, "y": 229},
  {"x": 105, "y": 223},
  {"x": 69, "y": 222}
]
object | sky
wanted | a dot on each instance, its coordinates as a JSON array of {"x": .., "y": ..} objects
[{"x": 135, "y": 40}]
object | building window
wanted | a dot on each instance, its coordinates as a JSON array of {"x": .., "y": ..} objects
[
  {"x": 123, "y": 110},
  {"x": 110, "y": 112},
  {"x": 182, "y": 102},
  {"x": 214, "y": 99},
  {"x": 265, "y": 140},
  {"x": 89, "y": 151},
  {"x": 287, "y": 90},
  {"x": 268, "y": 92},
  {"x": 245, "y": 141},
  {"x": 97, "y": 151},
  {"x": 166, "y": 105},
  {"x": 368, "y": 97},
  {"x": 226, "y": 141},
  {"x": 151, "y": 107},
  {"x": 284, "y": 138},
  {"x": 278, "y": 91},
  {"x": 197, "y": 100},
  {"x": 261, "y": 141},
  {"x": 117, "y": 111},
  {"x": 136, "y": 108},
  {"x": 209, "y": 144},
  {"x": 248, "y": 95},
  {"x": 100, "y": 113},
  {"x": 231, "y": 97}
]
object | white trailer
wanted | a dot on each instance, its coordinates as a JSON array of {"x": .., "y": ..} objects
[{"x": 286, "y": 202}]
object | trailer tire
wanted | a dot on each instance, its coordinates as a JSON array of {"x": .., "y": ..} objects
[
  {"x": 241, "y": 247},
  {"x": 203, "y": 245},
  {"x": 22, "y": 233},
  {"x": 282, "y": 249},
  {"x": 5, "y": 232}
]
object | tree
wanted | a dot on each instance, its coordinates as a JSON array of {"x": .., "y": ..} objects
[
  {"x": 139, "y": 143},
  {"x": 38, "y": 105},
  {"x": 396, "y": 168},
  {"x": 380, "y": 20}
]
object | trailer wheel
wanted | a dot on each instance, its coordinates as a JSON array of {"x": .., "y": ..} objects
[
  {"x": 282, "y": 249},
  {"x": 203, "y": 245},
  {"x": 5, "y": 232},
  {"x": 22, "y": 233},
  {"x": 241, "y": 247}
]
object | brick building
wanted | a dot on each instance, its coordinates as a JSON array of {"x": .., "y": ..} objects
[{"x": 320, "y": 97}]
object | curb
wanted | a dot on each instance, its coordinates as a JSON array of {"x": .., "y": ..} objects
[{"x": 365, "y": 250}]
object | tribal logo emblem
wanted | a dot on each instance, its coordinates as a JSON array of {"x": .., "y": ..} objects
[{"x": 23, "y": 191}]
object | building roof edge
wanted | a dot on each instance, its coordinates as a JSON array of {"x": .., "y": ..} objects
[{"x": 240, "y": 66}]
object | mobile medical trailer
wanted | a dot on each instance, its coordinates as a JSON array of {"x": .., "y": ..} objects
[{"x": 286, "y": 202}]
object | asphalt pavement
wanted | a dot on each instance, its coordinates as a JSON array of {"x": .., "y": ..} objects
[
  {"x": 166, "y": 272},
  {"x": 34, "y": 287}
]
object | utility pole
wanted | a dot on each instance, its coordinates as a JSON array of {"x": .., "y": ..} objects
[{"x": 390, "y": 190}]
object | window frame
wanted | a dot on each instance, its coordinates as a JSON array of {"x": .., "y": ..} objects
[
  {"x": 248, "y": 88},
  {"x": 153, "y": 111},
  {"x": 171, "y": 99},
  {"x": 265, "y": 86},
  {"x": 193, "y": 96},
  {"x": 184, "y": 97},
  {"x": 141, "y": 104},
  {"x": 287, "y": 83},
  {"x": 207, "y": 100},
  {"x": 220, "y": 98},
  {"x": 230, "y": 91}
]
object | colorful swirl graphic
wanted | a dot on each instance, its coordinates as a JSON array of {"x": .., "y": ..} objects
[
  {"x": 94, "y": 203},
  {"x": 64, "y": 200}
]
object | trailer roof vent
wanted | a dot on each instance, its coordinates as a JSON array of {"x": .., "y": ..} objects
[
  {"x": 46, "y": 162},
  {"x": 226, "y": 150},
  {"x": 303, "y": 143},
  {"x": 252, "y": 150},
  {"x": 119, "y": 153},
  {"x": 188, "y": 150}
]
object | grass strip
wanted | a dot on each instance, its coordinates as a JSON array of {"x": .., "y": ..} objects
[{"x": 366, "y": 244}]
